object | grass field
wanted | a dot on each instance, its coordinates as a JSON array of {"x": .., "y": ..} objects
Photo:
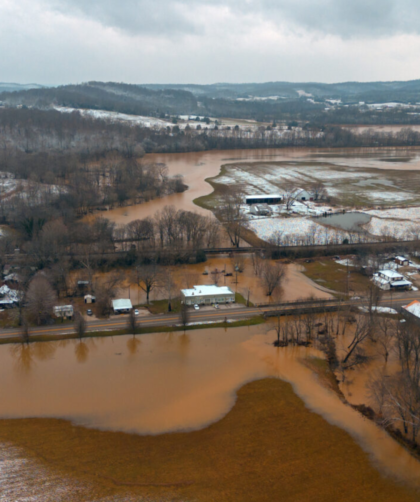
[
  {"x": 326, "y": 272},
  {"x": 269, "y": 447}
]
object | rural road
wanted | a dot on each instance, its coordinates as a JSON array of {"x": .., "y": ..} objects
[{"x": 201, "y": 316}]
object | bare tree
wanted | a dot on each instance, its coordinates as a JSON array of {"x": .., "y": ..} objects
[
  {"x": 106, "y": 290},
  {"x": 40, "y": 299},
  {"x": 362, "y": 330},
  {"x": 257, "y": 263},
  {"x": 148, "y": 278},
  {"x": 230, "y": 214},
  {"x": 385, "y": 335},
  {"x": 79, "y": 325},
  {"x": 24, "y": 336},
  {"x": 272, "y": 275},
  {"x": 131, "y": 323},
  {"x": 169, "y": 285},
  {"x": 184, "y": 315}
]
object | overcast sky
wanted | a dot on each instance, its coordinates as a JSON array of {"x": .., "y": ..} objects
[{"x": 207, "y": 41}]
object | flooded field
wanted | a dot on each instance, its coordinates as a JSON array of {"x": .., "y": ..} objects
[
  {"x": 123, "y": 395},
  {"x": 295, "y": 286},
  {"x": 347, "y": 221},
  {"x": 197, "y": 167}
]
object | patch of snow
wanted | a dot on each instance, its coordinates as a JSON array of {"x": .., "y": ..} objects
[{"x": 380, "y": 310}]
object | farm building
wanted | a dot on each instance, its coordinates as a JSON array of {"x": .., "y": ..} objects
[
  {"x": 390, "y": 279},
  {"x": 301, "y": 194},
  {"x": 207, "y": 295},
  {"x": 263, "y": 199},
  {"x": 122, "y": 306},
  {"x": 260, "y": 210},
  {"x": 412, "y": 311}
]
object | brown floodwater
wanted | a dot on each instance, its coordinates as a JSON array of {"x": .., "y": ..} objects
[
  {"x": 295, "y": 286},
  {"x": 170, "y": 382},
  {"x": 197, "y": 166}
]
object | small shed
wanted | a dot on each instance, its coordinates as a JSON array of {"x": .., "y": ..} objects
[
  {"x": 401, "y": 260},
  {"x": 122, "y": 306},
  {"x": 90, "y": 299}
]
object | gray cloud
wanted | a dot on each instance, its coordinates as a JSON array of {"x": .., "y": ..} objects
[{"x": 344, "y": 18}]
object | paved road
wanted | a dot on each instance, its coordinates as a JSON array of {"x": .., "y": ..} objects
[
  {"x": 156, "y": 320},
  {"x": 202, "y": 316}
]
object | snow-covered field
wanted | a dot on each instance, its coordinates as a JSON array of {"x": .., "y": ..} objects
[
  {"x": 398, "y": 229},
  {"x": 117, "y": 117},
  {"x": 406, "y": 213},
  {"x": 380, "y": 310},
  {"x": 296, "y": 231},
  {"x": 399, "y": 223}
]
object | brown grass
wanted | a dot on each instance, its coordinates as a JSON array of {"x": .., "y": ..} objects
[
  {"x": 327, "y": 273},
  {"x": 269, "y": 447}
]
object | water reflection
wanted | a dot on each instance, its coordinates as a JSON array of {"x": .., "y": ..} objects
[
  {"x": 133, "y": 345},
  {"x": 81, "y": 351},
  {"x": 26, "y": 354}
]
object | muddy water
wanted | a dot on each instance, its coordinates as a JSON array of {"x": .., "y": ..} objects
[
  {"x": 296, "y": 285},
  {"x": 196, "y": 167},
  {"x": 165, "y": 382}
]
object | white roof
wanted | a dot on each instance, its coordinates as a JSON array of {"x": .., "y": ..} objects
[
  {"x": 413, "y": 308},
  {"x": 401, "y": 258},
  {"x": 122, "y": 304},
  {"x": 63, "y": 308},
  {"x": 391, "y": 274},
  {"x": 207, "y": 290},
  {"x": 266, "y": 196}
]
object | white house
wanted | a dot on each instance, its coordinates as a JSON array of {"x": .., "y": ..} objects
[
  {"x": 64, "y": 311},
  {"x": 207, "y": 295},
  {"x": 390, "y": 279},
  {"x": 122, "y": 306}
]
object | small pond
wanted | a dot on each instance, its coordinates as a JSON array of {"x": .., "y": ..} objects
[{"x": 347, "y": 221}]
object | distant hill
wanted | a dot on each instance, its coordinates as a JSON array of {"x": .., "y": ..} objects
[
  {"x": 311, "y": 102},
  {"x": 110, "y": 96},
  {"x": 12, "y": 87},
  {"x": 347, "y": 91}
]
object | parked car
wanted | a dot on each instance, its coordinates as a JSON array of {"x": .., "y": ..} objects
[
  {"x": 89, "y": 312},
  {"x": 196, "y": 307},
  {"x": 136, "y": 312}
]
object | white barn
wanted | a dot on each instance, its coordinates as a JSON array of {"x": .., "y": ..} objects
[{"x": 207, "y": 295}]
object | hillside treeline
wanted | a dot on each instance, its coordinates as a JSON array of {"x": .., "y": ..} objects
[{"x": 222, "y": 102}]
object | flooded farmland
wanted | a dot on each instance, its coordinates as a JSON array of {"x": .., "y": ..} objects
[
  {"x": 197, "y": 167},
  {"x": 160, "y": 400}
]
